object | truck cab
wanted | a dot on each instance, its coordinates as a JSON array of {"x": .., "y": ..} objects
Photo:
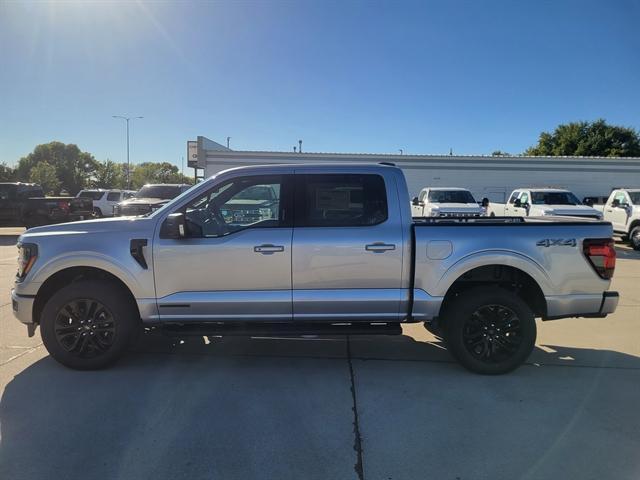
[
  {"x": 622, "y": 209},
  {"x": 539, "y": 202}
]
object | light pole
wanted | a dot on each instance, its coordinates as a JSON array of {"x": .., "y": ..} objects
[{"x": 128, "y": 164}]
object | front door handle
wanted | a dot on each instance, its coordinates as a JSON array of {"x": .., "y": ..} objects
[
  {"x": 379, "y": 247},
  {"x": 268, "y": 249}
]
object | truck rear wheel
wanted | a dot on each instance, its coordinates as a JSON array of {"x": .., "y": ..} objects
[
  {"x": 88, "y": 325},
  {"x": 489, "y": 330},
  {"x": 634, "y": 238}
]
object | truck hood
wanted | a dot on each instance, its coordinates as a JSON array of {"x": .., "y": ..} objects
[
  {"x": 122, "y": 225},
  {"x": 568, "y": 210}
]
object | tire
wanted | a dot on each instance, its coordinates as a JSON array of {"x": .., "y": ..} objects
[
  {"x": 88, "y": 325},
  {"x": 489, "y": 330},
  {"x": 97, "y": 213},
  {"x": 634, "y": 237}
]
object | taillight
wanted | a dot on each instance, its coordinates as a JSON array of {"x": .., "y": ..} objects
[
  {"x": 64, "y": 206},
  {"x": 601, "y": 254}
]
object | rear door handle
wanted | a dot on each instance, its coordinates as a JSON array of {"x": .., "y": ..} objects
[
  {"x": 268, "y": 249},
  {"x": 379, "y": 247}
]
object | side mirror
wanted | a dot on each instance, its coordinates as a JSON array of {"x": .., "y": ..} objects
[
  {"x": 485, "y": 202},
  {"x": 173, "y": 226},
  {"x": 615, "y": 203},
  {"x": 415, "y": 202}
]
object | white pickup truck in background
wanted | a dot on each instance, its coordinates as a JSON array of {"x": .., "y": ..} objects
[
  {"x": 541, "y": 202},
  {"x": 623, "y": 211},
  {"x": 445, "y": 202}
]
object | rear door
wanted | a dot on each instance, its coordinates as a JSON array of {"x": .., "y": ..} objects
[{"x": 347, "y": 250}]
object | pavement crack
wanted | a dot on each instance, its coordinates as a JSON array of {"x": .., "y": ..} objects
[{"x": 357, "y": 442}]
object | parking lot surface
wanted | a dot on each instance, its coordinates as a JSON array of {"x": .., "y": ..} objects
[{"x": 326, "y": 408}]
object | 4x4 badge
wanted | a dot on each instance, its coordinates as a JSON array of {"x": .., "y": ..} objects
[{"x": 560, "y": 242}]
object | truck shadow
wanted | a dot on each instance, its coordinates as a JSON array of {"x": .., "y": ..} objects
[{"x": 240, "y": 407}]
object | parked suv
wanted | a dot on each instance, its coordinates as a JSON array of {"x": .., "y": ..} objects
[
  {"x": 105, "y": 200},
  {"x": 149, "y": 198}
]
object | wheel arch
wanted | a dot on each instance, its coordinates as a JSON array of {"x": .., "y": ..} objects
[
  {"x": 68, "y": 275},
  {"x": 508, "y": 277}
]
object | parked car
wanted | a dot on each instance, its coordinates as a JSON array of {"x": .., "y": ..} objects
[
  {"x": 25, "y": 205},
  {"x": 539, "y": 202},
  {"x": 622, "y": 209},
  {"x": 105, "y": 200},
  {"x": 445, "y": 202},
  {"x": 341, "y": 255},
  {"x": 149, "y": 198}
]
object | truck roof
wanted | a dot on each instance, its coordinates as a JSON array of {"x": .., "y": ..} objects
[
  {"x": 534, "y": 189},
  {"x": 439, "y": 189},
  {"x": 337, "y": 166}
]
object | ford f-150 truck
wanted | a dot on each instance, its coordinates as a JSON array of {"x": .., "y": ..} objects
[
  {"x": 623, "y": 211},
  {"x": 539, "y": 202},
  {"x": 340, "y": 255},
  {"x": 445, "y": 202}
]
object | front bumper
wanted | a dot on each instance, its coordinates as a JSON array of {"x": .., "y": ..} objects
[{"x": 22, "y": 306}]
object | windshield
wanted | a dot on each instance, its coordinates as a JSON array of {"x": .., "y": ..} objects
[
  {"x": 554, "y": 198},
  {"x": 635, "y": 197},
  {"x": 450, "y": 196},
  {"x": 89, "y": 194},
  {"x": 159, "y": 191}
]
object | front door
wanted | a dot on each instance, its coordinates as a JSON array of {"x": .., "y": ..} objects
[
  {"x": 620, "y": 214},
  {"x": 235, "y": 263},
  {"x": 347, "y": 250}
]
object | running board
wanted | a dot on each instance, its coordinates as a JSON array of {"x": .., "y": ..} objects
[{"x": 281, "y": 329}]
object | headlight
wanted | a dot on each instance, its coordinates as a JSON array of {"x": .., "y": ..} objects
[{"x": 27, "y": 255}]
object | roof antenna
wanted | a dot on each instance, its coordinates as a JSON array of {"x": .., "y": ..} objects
[{"x": 300, "y": 146}]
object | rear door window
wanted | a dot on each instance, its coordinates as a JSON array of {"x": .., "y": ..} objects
[
  {"x": 113, "y": 196},
  {"x": 340, "y": 200}
]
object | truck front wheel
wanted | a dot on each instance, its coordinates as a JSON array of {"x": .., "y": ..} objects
[
  {"x": 634, "y": 238},
  {"x": 88, "y": 325},
  {"x": 489, "y": 330}
]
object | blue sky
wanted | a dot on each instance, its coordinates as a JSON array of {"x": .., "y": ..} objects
[{"x": 375, "y": 76}]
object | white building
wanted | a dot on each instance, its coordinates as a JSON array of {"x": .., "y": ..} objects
[{"x": 486, "y": 176}]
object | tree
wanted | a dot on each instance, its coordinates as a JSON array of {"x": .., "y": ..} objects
[
  {"x": 110, "y": 175},
  {"x": 157, "y": 172},
  {"x": 73, "y": 167},
  {"x": 45, "y": 175},
  {"x": 500, "y": 153},
  {"x": 597, "y": 139},
  {"x": 7, "y": 174}
]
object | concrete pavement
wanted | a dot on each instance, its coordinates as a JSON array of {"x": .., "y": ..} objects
[{"x": 365, "y": 407}]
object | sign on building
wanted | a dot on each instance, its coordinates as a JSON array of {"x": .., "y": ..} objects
[{"x": 192, "y": 154}]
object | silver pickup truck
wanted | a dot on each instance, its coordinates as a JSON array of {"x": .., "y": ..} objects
[{"x": 340, "y": 255}]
